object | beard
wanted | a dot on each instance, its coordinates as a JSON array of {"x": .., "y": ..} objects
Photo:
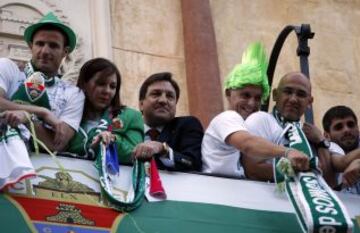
[{"x": 348, "y": 146}]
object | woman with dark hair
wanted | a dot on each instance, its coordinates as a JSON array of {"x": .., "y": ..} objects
[{"x": 104, "y": 117}]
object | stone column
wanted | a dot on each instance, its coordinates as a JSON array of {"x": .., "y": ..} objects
[
  {"x": 201, "y": 59},
  {"x": 101, "y": 31}
]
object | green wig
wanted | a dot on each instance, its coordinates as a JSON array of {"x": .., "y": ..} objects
[{"x": 251, "y": 71}]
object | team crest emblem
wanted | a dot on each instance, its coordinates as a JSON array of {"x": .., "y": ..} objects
[
  {"x": 35, "y": 86},
  {"x": 117, "y": 123}
]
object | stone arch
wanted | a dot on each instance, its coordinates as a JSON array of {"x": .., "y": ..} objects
[{"x": 16, "y": 16}]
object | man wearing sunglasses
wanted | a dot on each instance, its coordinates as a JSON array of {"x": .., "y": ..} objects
[{"x": 341, "y": 127}]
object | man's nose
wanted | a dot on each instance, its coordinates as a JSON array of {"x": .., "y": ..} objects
[
  {"x": 253, "y": 102},
  {"x": 293, "y": 97},
  {"x": 162, "y": 98},
  {"x": 45, "y": 48},
  {"x": 347, "y": 128}
]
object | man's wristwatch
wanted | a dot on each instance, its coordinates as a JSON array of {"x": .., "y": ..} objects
[
  {"x": 323, "y": 144},
  {"x": 165, "y": 150}
]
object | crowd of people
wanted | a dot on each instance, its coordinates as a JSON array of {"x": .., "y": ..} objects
[{"x": 239, "y": 142}]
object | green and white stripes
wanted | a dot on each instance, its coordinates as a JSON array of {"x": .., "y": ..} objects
[
  {"x": 120, "y": 200},
  {"x": 317, "y": 207}
]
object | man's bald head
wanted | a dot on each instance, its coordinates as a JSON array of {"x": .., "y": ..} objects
[
  {"x": 293, "y": 95},
  {"x": 297, "y": 77}
]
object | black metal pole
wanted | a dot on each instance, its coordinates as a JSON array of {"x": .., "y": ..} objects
[{"x": 303, "y": 51}]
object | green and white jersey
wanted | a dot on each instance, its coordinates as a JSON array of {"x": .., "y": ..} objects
[{"x": 66, "y": 100}]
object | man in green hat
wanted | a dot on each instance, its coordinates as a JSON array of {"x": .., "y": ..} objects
[
  {"x": 54, "y": 105},
  {"x": 227, "y": 138}
]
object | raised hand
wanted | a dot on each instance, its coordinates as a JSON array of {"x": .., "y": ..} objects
[
  {"x": 313, "y": 133},
  {"x": 351, "y": 174},
  {"x": 106, "y": 137},
  {"x": 299, "y": 161}
]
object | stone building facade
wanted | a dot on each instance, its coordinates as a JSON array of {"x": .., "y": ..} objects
[{"x": 200, "y": 42}]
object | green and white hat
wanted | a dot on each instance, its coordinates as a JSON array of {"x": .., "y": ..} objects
[
  {"x": 51, "y": 19},
  {"x": 251, "y": 71}
]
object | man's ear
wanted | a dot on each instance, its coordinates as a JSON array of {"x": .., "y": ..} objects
[
  {"x": 66, "y": 51},
  {"x": 141, "y": 105},
  {"x": 275, "y": 94},
  {"x": 327, "y": 135},
  {"x": 227, "y": 92},
  {"x": 311, "y": 100}
]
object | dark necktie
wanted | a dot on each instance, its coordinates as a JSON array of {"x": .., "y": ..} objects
[{"x": 153, "y": 134}]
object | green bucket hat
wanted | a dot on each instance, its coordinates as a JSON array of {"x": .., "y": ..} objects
[{"x": 51, "y": 19}]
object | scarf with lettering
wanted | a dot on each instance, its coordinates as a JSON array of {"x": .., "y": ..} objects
[{"x": 317, "y": 207}]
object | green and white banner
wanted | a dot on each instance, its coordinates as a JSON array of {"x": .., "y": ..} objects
[
  {"x": 317, "y": 207},
  {"x": 55, "y": 201}
]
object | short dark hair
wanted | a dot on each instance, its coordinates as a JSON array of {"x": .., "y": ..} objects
[
  {"x": 339, "y": 111},
  {"x": 50, "y": 27},
  {"x": 158, "y": 77},
  {"x": 106, "y": 68}
]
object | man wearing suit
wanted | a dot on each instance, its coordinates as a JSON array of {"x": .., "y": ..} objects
[{"x": 174, "y": 142}]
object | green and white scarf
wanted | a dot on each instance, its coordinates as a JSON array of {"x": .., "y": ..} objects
[
  {"x": 15, "y": 164},
  {"x": 121, "y": 200},
  {"x": 317, "y": 207},
  {"x": 49, "y": 81},
  {"x": 33, "y": 90},
  {"x": 81, "y": 142},
  {"x": 297, "y": 140}
]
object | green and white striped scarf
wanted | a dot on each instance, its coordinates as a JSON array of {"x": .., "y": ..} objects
[
  {"x": 34, "y": 88},
  {"x": 80, "y": 144},
  {"x": 317, "y": 207},
  {"x": 121, "y": 200},
  {"x": 29, "y": 70},
  {"x": 125, "y": 200}
]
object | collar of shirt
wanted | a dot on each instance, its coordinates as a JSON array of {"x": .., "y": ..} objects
[{"x": 147, "y": 128}]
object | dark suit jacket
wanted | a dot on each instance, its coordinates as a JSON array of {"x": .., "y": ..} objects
[{"x": 184, "y": 136}]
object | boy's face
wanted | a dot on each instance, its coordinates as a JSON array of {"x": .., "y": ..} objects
[{"x": 345, "y": 133}]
